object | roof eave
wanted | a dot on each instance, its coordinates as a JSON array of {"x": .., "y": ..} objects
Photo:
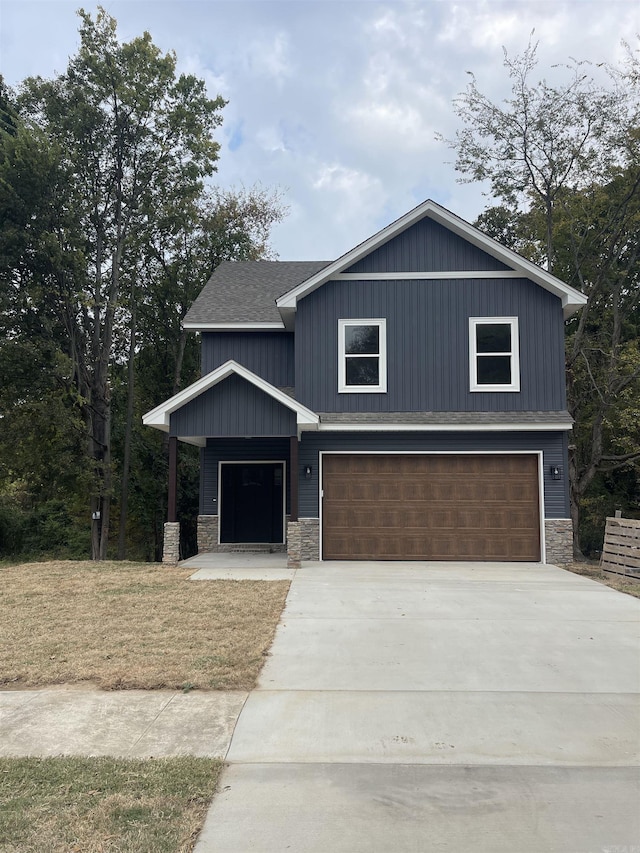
[
  {"x": 232, "y": 326},
  {"x": 564, "y": 426}
]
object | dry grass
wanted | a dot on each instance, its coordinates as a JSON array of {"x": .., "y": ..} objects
[
  {"x": 131, "y": 625},
  {"x": 104, "y": 805},
  {"x": 617, "y": 582}
]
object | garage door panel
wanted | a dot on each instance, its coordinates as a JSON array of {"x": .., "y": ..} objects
[{"x": 431, "y": 507}]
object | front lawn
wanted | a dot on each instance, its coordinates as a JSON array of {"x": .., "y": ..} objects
[
  {"x": 104, "y": 805},
  {"x": 133, "y": 625}
]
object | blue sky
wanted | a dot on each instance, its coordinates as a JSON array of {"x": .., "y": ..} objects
[{"x": 336, "y": 103}]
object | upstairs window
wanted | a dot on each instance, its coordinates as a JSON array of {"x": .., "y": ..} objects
[
  {"x": 494, "y": 360},
  {"x": 362, "y": 356}
]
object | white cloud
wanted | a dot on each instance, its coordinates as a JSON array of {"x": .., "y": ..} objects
[
  {"x": 270, "y": 139},
  {"x": 336, "y": 101},
  {"x": 271, "y": 57}
]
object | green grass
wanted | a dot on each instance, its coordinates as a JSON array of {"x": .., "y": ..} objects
[{"x": 104, "y": 805}]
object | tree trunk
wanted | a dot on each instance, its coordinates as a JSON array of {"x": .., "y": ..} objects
[
  {"x": 126, "y": 461},
  {"x": 106, "y": 484},
  {"x": 575, "y": 521}
]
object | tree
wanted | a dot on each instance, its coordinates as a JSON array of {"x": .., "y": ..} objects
[
  {"x": 40, "y": 415},
  {"x": 563, "y": 160},
  {"x": 129, "y": 132},
  {"x": 544, "y": 140},
  {"x": 185, "y": 243}
]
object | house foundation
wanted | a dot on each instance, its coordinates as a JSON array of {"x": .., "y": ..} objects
[{"x": 559, "y": 540}]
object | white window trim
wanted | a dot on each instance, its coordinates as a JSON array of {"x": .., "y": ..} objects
[
  {"x": 381, "y": 387},
  {"x": 514, "y": 385}
]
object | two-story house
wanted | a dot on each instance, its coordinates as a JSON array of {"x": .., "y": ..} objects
[{"x": 404, "y": 402}]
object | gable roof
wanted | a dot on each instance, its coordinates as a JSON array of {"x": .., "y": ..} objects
[
  {"x": 243, "y": 294},
  {"x": 160, "y": 417},
  {"x": 571, "y": 299}
]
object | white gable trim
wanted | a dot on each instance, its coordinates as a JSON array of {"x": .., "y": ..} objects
[
  {"x": 426, "y": 276},
  {"x": 160, "y": 417},
  {"x": 571, "y": 299}
]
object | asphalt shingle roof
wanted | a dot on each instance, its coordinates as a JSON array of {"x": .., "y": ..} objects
[{"x": 245, "y": 291}]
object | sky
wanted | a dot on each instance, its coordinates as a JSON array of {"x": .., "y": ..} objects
[{"x": 336, "y": 104}]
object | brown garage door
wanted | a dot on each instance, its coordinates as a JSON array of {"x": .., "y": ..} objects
[{"x": 387, "y": 507}]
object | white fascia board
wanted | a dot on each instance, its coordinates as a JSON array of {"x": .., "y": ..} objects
[
  {"x": 413, "y": 427},
  {"x": 194, "y": 326},
  {"x": 160, "y": 416},
  {"x": 571, "y": 299}
]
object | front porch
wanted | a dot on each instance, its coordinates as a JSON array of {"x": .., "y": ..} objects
[
  {"x": 243, "y": 565},
  {"x": 249, "y": 434}
]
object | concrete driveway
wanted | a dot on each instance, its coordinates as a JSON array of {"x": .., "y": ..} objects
[{"x": 439, "y": 707}]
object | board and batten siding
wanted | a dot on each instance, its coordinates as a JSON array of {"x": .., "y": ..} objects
[
  {"x": 267, "y": 354},
  {"x": 236, "y": 450},
  {"x": 553, "y": 446},
  {"x": 426, "y": 246},
  {"x": 233, "y": 407},
  {"x": 428, "y": 344}
]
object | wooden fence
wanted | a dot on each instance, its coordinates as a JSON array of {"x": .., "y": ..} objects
[{"x": 621, "y": 549}]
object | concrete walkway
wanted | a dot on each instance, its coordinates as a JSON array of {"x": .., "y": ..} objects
[
  {"x": 410, "y": 708},
  {"x": 248, "y": 566}
]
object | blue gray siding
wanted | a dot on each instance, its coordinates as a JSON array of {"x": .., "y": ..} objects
[
  {"x": 268, "y": 354},
  {"x": 427, "y": 246},
  {"x": 236, "y": 450},
  {"x": 233, "y": 407},
  {"x": 428, "y": 344},
  {"x": 553, "y": 446}
]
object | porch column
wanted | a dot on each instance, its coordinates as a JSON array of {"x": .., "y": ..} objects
[
  {"x": 171, "y": 547},
  {"x": 172, "y": 514},
  {"x": 293, "y": 476},
  {"x": 293, "y": 527}
]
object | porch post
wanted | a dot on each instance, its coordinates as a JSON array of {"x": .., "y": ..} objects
[
  {"x": 293, "y": 476},
  {"x": 172, "y": 514},
  {"x": 171, "y": 549},
  {"x": 293, "y": 527}
]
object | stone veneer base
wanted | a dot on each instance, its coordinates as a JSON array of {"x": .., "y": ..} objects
[
  {"x": 559, "y": 540},
  {"x": 303, "y": 541},
  {"x": 208, "y": 540},
  {"x": 171, "y": 543}
]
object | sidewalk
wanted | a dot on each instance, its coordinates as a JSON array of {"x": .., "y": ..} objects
[
  {"x": 124, "y": 723},
  {"x": 439, "y": 707}
]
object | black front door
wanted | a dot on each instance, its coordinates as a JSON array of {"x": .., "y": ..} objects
[{"x": 252, "y": 502}]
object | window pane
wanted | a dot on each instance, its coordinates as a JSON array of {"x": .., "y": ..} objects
[
  {"x": 362, "y": 371},
  {"x": 361, "y": 339},
  {"x": 493, "y": 337},
  {"x": 494, "y": 370}
]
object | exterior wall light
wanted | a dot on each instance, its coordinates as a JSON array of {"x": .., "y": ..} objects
[{"x": 307, "y": 471}]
